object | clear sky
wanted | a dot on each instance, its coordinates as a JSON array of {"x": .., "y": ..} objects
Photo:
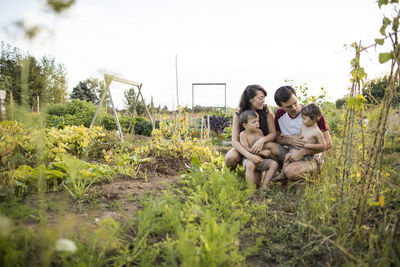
[{"x": 226, "y": 41}]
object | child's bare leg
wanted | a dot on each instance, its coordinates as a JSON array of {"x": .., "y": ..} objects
[
  {"x": 257, "y": 178},
  {"x": 272, "y": 168},
  {"x": 281, "y": 176},
  {"x": 265, "y": 153},
  {"x": 250, "y": 168}
]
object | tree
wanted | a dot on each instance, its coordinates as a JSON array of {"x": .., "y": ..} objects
[
  {"x": 129, "y": 101},
  {"x": 374, "y": 91},
  {"x": 165, "y": 109},
  {"x": 89, "y": 90},
  {"x": 29, "y": 78},
  {"x": 55, "y": 80},
  {"x": 10, "y": 70},
  {"x": 34, "y": 82}
]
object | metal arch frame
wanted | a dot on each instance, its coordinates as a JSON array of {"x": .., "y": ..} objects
[
  {"x": 108, "y": 78},
  {"x": 194, "y": 84}
]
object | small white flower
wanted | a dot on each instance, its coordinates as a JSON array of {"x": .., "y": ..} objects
[
  {"x": 65, "y": 245},
  {"x": 96, "y": 220}
]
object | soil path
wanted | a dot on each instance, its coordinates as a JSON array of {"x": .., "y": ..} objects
[{"x": 120, "y": 199}]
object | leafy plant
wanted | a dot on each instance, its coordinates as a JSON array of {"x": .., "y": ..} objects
[
  {"x": 81, "y": 175},
  {"x": 130, "y": 164},
  {"x": 219, "y": 123}
]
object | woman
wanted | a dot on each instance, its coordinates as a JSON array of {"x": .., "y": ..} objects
[{"x": 252, "y": 98}]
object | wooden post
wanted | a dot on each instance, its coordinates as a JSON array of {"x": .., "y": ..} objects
[
  {"x": 201, "y": 128},
  {"x": 134, "y": 108},
  {"x": 101, "y": 101},
  {"x": 11, "y": 105},
  {"x": 153, "y": 123},
  {"x": 2, "y": 104},
  {"x": 208, "y": 126}
]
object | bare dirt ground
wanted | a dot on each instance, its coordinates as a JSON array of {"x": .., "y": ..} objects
[{"x": 119, "y": 199}]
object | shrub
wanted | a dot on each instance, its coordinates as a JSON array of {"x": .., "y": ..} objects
[
  {"x": 16, "y": 146},
  {"x": 77, "y": 112},
  {"x": 109, "y": 123},
  {"x": 143, "y": 126},
  {"x": 57, "y": 109},
  {"x": 219, "y": 123}
]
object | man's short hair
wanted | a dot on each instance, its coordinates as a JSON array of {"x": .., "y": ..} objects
[
  {"x": 283, "y": 94},
  {"x": 311, "y": 110},
  {"x": 245, "y": 115}
]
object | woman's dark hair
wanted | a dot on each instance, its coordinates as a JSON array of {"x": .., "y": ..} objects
[
  {"x": 249, "y": 93},
  {"x": 311, "y": 110},
  {"x": 283, "y": 94}
]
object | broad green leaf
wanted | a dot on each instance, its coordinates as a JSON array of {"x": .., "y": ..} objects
[
  {"x": 382, "y": 30},
  {"x": 382, "y": 2},
  {"x": 395, "y": 24},
  {"x": 386, "y": 21},
  {"x": 195, "y": 161},
  {"x": 384, "y": 57},
  {"x": 55, "y": 174},
  {"x": 356, "y": 102},
  {"x": 380, "y": 41},
  {"x": 354, "y": 74}
]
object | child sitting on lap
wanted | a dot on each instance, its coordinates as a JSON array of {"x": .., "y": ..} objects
[
  {"x": 250, "y": 122},
  {"x": 310, "y": 133}
]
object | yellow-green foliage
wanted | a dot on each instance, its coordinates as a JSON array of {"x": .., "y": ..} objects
[
  {"x": 177, "y": 148},
  {"x": 15, "y": 145},
  {"x": 73, "y": 139}
]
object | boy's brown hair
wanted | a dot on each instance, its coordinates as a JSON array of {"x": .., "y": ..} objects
[
  {"x": 311, "y": 110},
  {"x": 245, "y": 115}
]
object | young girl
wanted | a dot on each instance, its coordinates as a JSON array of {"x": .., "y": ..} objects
[
  {"x": 250, "y": 122},
  {"x": 310, "y": 133}
]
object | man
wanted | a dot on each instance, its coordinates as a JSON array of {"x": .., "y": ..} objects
[{"x": 288, "y": 123}]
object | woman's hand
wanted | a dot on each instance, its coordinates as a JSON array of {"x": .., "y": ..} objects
[
  {"x": 257, "y": 147},
  {"x": 255, "y": 159}
]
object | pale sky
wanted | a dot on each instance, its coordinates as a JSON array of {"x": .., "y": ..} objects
[{"x": 225, "y": 41}]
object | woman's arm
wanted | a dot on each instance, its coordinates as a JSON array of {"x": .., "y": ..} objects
[
  {"x": 236, "y": 142},
  {"x": 257, "y": 147}
]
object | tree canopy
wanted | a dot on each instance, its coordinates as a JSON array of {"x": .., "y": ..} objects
[
  {"x": 374, "y": 91},
  {"x": 27, "y": 77}
]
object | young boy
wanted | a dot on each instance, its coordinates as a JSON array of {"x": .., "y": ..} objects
[
  {"x": 310, "y": 133},
  {"x": 251, "y": 133}
]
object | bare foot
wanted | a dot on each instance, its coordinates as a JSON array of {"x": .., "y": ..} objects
[
  {"x": 279, "y": 178},
  {"x": 264, "y": 187}
]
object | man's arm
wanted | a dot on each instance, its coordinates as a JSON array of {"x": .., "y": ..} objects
[
  {"x": 284, "y": 139},
  {"x": 328, "y": 140}
]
